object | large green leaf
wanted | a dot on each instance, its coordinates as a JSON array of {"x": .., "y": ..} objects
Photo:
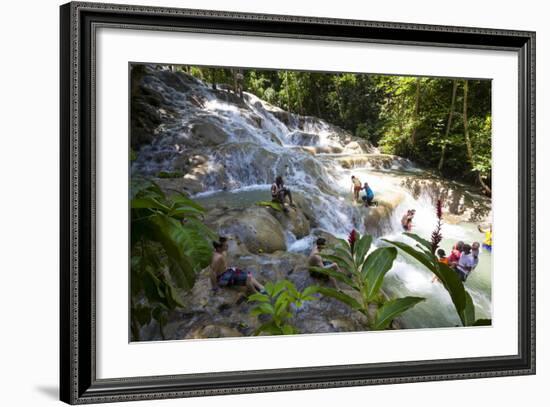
[
  {"x": 342, "y": 263},
  {"x": 420, "y": 240},
  {"x": 379, "y": 262},
  {"x": 343, "y": 254},
  {"x": 468, "y": 316},
  {"x": 270, "y": 204},
  {"x": 427, "y": 261},
  {"x": 482, "y": 322},
  {"x": 391, "y": 309},
  {"x": 446, "y": 275},
  {"x": 337, "y": 275},
  {"x": 340, "y": 296},
  {"x": 453, "y": 285},
  {"x": 174, "y": 239},
  {"x": 361, "y": 249},
  {"x": 148, "y": 203}
]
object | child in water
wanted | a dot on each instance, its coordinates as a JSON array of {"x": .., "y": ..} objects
[{"x": 442, "y": 258}]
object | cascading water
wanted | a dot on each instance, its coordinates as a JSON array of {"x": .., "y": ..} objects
[{"x": 316, "y": 160}]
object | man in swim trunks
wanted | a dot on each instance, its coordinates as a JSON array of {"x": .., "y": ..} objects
[
  {"x": 223, "y": 276},
  {"x": 355, "y": 187},
  {"x": 315, "y": 260},
  {"x": 488, "y": 242}
]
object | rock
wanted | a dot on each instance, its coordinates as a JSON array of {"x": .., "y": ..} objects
[
  {"x": 255, "y": 227},
  {"x": 304, "y": 139},
  {"x": 293, "y": 220},
  {"x": 459, "y": 203},
  {"x": 225, "y": 313},
  {"x": 376, "y": 217},
  {"x": 213, "y": 331},
  {"x": 207, "y": 134}
]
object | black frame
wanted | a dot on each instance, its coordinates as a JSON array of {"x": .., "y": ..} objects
[{"x": 78, "y": 382}]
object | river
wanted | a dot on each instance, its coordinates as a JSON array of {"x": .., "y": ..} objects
[{"x": 259, "y": 142}]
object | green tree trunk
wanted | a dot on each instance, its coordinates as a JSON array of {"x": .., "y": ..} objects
[{"x": 415, "y": 113}]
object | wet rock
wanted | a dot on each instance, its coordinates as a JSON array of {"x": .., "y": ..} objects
[
  {"x": 377, "y": 217},
  {"x": 294, "y": 220},
  {"x": 208, "y": 134},
  {"x": 459, "y": 203},
  {"x": 255, "y": 227}
]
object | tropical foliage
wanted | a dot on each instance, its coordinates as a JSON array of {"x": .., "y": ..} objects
[
  {"x": 463, "y": 303},
  {"x": 363, "y": 275},
  {"x": 277, "y": 305},
  {"x": 169, "y": 245}
]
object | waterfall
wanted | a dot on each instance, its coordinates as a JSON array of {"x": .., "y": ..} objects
[{"x": 249, "y": 142}]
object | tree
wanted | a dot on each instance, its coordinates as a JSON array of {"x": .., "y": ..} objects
[{"x": 448, "y": 128}]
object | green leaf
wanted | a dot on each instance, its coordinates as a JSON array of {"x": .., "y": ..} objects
[
  {"x": 269, "y": 204},
  {"x": 343, "y": 263},
  {"x": 361, "y": 249},
  {"x": 148, "y": 203},
  {"x": 310, "y": 290},
  {"x": 420, "y": 240},
  {"x": 288, "y": 329},
  {"x": 342, "y": 297},
  {"x": 337, "y": 275},
  {"x": 453, "y": 285},
  {"x": 427, "y": 261},
  {"x": 468, "y": 316},
  {"x": 182, "y": 212},
  {"x": 263, "y": 308},
  {"x": 269, "y": 327},
  {"x": 379, "y": 262},
  {"x": 181, "y": 199},
  {"x": 391, "y": 309},
  {"x": 258, "y": 297}
]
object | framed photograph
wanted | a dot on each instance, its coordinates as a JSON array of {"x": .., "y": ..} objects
[{"x": 254, "y": 203}]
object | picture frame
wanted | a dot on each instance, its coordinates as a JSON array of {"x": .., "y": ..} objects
[{"x": 78, "y": 347}]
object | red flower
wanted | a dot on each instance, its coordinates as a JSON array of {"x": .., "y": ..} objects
[
  {"x": 352, "y": 238},
  {"x": 436, "y": 234}
]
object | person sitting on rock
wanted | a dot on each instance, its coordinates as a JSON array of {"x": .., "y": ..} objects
[
  {"x": 369, "y": 195},
  {"x": 315, "y": 260},
  {"x": 223, "y": 276},
  {"x": 279, "y": 192}
]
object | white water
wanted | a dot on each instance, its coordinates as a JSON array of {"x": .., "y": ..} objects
[{"x": 242, "y": 170}]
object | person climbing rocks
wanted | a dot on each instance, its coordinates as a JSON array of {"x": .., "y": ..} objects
[
  {"x": 315, "y": 260},
  {"x": 355, "y": 187},
  {"x": 279, "y": 192},
  {"x": 488, "y": 242},
  {"x": 406, "y": 220},
  {"x": 223, "y": 276},
  {"x": 369, "y": 195}
]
